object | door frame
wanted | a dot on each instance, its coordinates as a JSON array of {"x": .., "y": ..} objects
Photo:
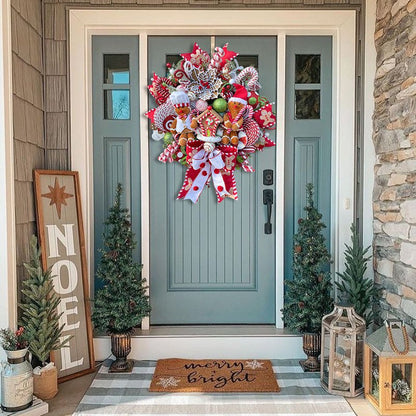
[{"x": 341, "y": 24}]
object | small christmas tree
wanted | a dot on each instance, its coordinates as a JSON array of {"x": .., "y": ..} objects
[
  {"x": 40, "y": 319},
  {"x": 308, "y": 296},
  {"x": 122, "y": 302},
  {"x": 353, "y": 287}
]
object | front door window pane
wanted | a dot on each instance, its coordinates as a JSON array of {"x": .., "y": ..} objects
[
  {"x": 116, "y": 69},
  {"x": 116, "y": 104},
  {"x": 307, "y": 69},
  {"x": 248, "y": 60},
  {"x": 307, "y": 104}
]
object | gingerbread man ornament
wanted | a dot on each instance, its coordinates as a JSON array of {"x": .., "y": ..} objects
[{"x": 182, "y": 123}]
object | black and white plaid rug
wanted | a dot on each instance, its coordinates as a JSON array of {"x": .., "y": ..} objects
[{"x": 127, "y": 394}]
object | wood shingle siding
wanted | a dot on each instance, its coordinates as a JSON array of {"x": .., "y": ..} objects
[{"x": 28, "y": 131}]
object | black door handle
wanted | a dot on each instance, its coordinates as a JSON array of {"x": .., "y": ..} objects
[{"x": 268, "y": 200}]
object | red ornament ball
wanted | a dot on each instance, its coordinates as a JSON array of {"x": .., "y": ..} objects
[{"x": 301, "y": 304}]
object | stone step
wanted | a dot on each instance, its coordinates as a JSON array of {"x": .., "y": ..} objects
[{"x": 217, "y": 341}]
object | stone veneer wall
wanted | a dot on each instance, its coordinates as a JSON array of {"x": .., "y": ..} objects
[
  {"x": 395, "y": 144},
  {"x": 28, "y": 133}
]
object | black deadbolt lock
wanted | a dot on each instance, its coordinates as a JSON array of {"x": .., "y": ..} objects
[{"x": 267, "y": 177}]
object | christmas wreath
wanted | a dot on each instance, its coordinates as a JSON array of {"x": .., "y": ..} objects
[{"x": 211, "y": 118}]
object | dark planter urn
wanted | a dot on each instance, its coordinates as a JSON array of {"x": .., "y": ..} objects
[
  {"x": 312, "y": 348},
  {"x": 121, "y": 347}
]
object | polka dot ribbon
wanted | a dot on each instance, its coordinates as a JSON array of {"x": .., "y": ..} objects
[{"x": 209, "y": 164}]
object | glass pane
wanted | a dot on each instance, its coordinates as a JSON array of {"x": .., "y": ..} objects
[
  {"x": 248, "y": 60},
  {"x": 325, "y": 356},
  {"x": 173, "y": 59},
  {"x": 116, "y": 69},
  {"x": 308, "y": 69},
  {"x": 307, "y": 104},
  {"x": 342, "y": 362},
  {"x": 359, "y": 362},
  {"x": 117, "y": 104},
  {"x": 401, "y": 383},
  {"x": 374, "y": 376}
]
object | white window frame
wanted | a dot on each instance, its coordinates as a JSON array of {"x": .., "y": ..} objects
[{"x": 340, "y": 24}]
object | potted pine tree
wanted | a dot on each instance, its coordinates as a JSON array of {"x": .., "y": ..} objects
[
  {"x": 308, "y": 296},
  {"x": 353, "y": 287},
  {"x": 41, "y": 322},
  {"x": 122, "y": 302}
]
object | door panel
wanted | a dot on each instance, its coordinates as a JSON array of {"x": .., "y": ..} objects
[
  {"x": 116, "y": 141},
  {"x": 308, "y": 132},
  {"x": 210, "y": 262}
]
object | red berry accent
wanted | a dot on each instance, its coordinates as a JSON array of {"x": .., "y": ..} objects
[
  {"x": 204, "y": 173},
  {"x": 195, "y": 188},
  {"x": 209, "y": 108},
  {"x": 216, "y": 171},
  {"x": 220, "y": 188},
  {"x": 202, "y": 165}
]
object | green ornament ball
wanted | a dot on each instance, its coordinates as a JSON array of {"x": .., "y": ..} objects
[
  {"x": 167, "y": 138},
  {"x": 219, "y": 105},
  {"x": 252, "y": 101}
]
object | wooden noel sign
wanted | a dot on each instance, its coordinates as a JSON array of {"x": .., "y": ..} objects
[{"x": 61, "y": 236}]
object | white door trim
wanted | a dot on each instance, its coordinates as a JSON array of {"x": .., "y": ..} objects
[
  {"x": 8, "y": 279},
  {"x": 340, "y": 24}
]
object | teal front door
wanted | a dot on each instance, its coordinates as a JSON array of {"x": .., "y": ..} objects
[{"x": 212, "y": 263}]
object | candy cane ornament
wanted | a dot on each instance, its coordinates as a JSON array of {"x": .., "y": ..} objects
[{"x": 251, "y": 76}]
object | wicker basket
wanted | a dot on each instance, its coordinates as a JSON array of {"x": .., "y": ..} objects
[{"x": 45, "y": 385}]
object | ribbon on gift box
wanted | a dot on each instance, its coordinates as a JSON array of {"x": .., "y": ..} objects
[{"x": 204, "y": 166}]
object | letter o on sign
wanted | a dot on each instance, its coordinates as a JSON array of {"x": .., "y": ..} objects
[{"x": 72, "y": 276}]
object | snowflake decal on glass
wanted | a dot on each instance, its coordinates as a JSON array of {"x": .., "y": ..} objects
[
  {"x": 166, "y": 382},
  {"x": 254, "y": 365}
]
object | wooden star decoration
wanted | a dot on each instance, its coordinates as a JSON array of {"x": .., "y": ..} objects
[{"x": 58, "y": 196}]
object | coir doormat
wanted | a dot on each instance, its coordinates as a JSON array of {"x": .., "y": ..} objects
[{"x": 222, "y": 376}]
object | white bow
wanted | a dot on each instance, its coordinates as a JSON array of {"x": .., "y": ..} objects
[{"x": 209, "y": 164}]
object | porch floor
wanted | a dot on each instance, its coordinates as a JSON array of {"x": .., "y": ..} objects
[{"x": 71, "y": 393}]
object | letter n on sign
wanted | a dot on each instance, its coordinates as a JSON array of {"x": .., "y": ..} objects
[{"x": 61, "y": 236}]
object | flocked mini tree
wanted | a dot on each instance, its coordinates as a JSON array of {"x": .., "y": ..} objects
[
  {"x": 122, "y": 302},
  {"x": 40, "y": 318},
  {"x": 352, "y": 286},
  {"x": 308, "y": 295}
]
